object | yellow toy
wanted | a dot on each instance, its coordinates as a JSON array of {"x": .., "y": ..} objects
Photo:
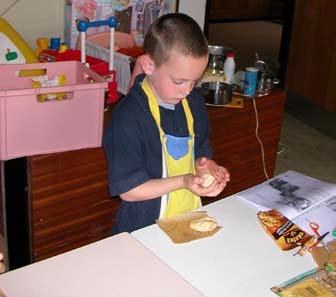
[
  {"x": 13, "y": 49},
  {"x": 42, "y": 44}
]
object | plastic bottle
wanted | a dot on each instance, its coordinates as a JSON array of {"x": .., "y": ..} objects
[{"x": 229, "y": 68}]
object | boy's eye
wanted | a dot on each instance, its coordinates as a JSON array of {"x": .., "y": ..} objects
[{"x": 178, "y": 82}]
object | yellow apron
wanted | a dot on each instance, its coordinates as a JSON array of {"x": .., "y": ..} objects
[{"x": 178, "y": 159}]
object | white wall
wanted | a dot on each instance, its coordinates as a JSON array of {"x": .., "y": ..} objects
[
  {"x": 194, "y": 8},
  {"x": 34, "y": 18},
  {"x": 247, "y": 38}
]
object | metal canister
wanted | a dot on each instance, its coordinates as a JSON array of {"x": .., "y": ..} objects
[
  {"x": 251, "y": 79},
  {"x": 217, "y": 56}
]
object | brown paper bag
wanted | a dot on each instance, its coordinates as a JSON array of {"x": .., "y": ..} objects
[
  {"x": 325, "y": 254},
  {"x": 178, "y": 227}
]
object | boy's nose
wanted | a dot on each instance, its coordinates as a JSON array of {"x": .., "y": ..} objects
[{"x": 187, "y": 89}]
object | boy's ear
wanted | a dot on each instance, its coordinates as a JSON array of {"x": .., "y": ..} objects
[{"x": 147, "y": 64}]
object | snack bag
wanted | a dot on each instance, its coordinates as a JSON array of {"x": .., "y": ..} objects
[
  {"x": 284, "y": 232},
  {"x": 44, "y": 81}
]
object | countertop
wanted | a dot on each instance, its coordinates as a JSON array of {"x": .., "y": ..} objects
[
  {"x": 239, "y": 260},
  {"x": 117, "y": 266}
]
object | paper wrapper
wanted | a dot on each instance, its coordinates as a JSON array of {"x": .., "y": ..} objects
[
  {"x": 178, "y": 227},
  {"x": 325, "y": 255},
  {"x": 317, "y": 282}
]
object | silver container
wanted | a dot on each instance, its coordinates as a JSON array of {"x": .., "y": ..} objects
[
  {"x": 216, "y": 93},
  {"x": 217, "y": 56}
]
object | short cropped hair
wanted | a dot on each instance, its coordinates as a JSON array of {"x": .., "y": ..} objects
[{"x": 174, "y": 31}]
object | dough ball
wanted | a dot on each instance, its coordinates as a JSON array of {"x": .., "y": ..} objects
[
  {"x": 205, "y": 224},
  {"x": 208, "y": 179}
]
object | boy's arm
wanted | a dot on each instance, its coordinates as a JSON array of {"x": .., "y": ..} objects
[
  {"x": 158, "y": 187},
  {"x": 203, "y": 152}
]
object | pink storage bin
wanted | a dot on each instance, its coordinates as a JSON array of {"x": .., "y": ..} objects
[{"x": 28, "y": 127}]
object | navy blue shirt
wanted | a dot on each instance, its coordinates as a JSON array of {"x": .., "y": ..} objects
[{"x": 133, "y": 150}]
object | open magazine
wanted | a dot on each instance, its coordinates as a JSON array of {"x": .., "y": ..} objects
[{"x": 300, "y": 198}]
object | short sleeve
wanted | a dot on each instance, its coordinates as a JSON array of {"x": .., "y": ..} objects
[{"x": 123, "y": 148}]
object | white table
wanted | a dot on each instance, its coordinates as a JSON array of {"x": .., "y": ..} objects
[
  {"x": 239, "y": 260},
  {"x": 117, "y": 266}
]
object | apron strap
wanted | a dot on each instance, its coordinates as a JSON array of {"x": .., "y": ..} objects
[
  {"x": 190, "y": 119},
  {"x": 154, "y": 107}
]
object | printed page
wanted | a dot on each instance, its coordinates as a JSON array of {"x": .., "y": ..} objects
[
  {"x": 291, "y": 193},
  {"x": 324, "y": 215}
]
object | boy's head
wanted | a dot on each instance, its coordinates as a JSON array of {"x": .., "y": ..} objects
[
  {"x": 174, "y": 31},
  {"x": 176, "y": 56}
]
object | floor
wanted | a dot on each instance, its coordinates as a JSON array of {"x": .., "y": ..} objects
[
  {"x": 306, "y": 150},
  {"x": 311, "y": 114}
]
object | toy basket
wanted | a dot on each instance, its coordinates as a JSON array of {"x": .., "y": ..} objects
[{"x": 29, "y": 127}]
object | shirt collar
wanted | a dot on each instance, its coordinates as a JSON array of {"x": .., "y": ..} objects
[{"x": 165, "y": 105}]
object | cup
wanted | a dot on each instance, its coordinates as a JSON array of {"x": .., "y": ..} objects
[
  {"x": 55, "y": 43},
  {"x": 42, "y": 43},
  {"x": 250, "y": 83}
]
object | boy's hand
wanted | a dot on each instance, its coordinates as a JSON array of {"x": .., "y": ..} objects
[
  {"x": 204, "y": 165},
  {"x": 194, "y": 184}
]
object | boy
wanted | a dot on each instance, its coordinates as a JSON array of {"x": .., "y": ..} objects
[{"x": 160, "y": 128}]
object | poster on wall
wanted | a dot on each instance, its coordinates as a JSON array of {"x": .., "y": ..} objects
[
  {"x": 135, "y": 16},
  {"x": 90, "y": 10}
]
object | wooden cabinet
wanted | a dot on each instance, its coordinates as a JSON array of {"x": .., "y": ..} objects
[
  {"x": 66, "y": 194},
  {"x": 69, "y": 201},
  {"x": 244, "y": 9},
  {"x": 250, "y": 26},
  {"x": 55, "y": 203},
  {"x": 234, "y": 141},
  {"x": 311, "y": 69}
]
